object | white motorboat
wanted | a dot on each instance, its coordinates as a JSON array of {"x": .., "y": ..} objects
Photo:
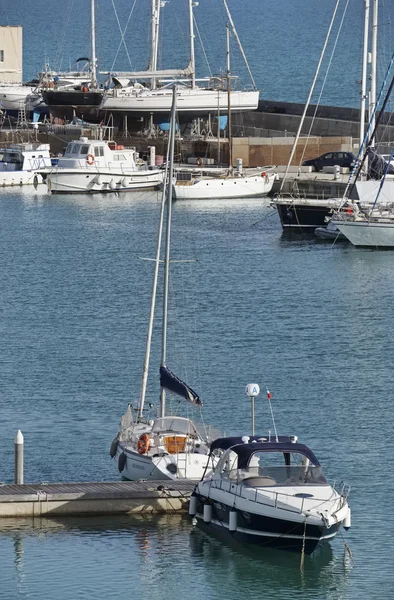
[
  {"x": 271, "y": 491},
  {"x": 20, "y": 164},
  {"x": 169, "y": 446},
  {"x": 14, "y": 96},
  {"x": 91, "y": 166},
  {"x": 246, "y": 184}
]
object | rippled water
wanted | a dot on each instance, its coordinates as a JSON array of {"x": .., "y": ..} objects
[{"x": 306, "y": 319}]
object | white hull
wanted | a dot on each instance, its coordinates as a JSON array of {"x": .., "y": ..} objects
[
  {"x": 12, "y": 98},
  {"x": 13, "y": 178},
  {"x": 365, "y": 233},
  {"x": 196, "y": 100},
  {"x": 141, "y": 466},
  {"x": 227, "y": 187},
  {"x": 90, "y": 180}
]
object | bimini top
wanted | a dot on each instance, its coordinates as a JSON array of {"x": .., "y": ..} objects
[{"x": 262, "y": 444}]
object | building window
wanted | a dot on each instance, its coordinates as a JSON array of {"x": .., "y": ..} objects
[{"x": 1, "y": 55}]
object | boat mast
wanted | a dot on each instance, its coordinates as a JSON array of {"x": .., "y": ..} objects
[
  {"x": 309, "y": 97},
  {"x": 168, "y": 244},
  {"x": 364, "y": 74},
  {"x": 192, "y": 56},
  {"x": 93, "y": 43},
  {"x": 230, "y": 144},
  {"x": 374, "y": 51},
  {"x": 153, "y": 302},
  {"x": 239, "y": 44}
]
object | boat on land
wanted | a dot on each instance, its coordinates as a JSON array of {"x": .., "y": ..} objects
[
  {"x": 168, "y": 446},
  {"x": 93, "y": 166},
  {"x": 21, "y": 164},
  {"x": 195, "y": 97},
  {"x": 270, "y": 491}
]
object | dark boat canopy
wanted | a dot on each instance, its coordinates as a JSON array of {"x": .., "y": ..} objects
[
  {"x": 262, "y": 444},
  {"x": 172, "y": 383}
]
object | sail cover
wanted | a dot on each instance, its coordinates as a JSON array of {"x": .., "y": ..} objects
[{"x": 172, "y": 383}]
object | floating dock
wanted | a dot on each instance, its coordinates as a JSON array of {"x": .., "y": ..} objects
[{"x": 115, "y": 497}]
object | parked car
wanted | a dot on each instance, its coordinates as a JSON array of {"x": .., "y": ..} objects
[{"x": 330, "y": 159}]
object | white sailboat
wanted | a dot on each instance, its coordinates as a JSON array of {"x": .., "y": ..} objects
[
  {"x": 228, "y": 184},
  {"x": 192, "y": 99},
  {"x": 170, "y": 446}
]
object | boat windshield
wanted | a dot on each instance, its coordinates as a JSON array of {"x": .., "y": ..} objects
[
  {"x": 272, "y": 469},
  {"x": 174, "y": 425}
]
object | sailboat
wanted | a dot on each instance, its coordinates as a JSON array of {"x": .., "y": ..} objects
[
  {"x": 81, "y": 96},
  {"x": 296, "y": 212},
  {"x": 155, "y": 97},
  {"x": 170, "y": 446},
  {"x": 225, "y": 184}
]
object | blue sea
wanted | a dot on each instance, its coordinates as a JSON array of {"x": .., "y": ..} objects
[
  {"x": 282, "y": 39},
  {"x": 311, "y": 321},
  {"x": 308, "y": 320}
]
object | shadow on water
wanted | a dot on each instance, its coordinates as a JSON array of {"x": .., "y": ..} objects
[{"x": 280, "y": 570}]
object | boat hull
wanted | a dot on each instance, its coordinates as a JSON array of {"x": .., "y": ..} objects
[
  {"x": 265, "y": 531},
  {"x": 134, "y": 466},
  {"x": 66, "y": 104},
  {"x": 90, "y": 181},
  {"x": 230, "y": 187},
  {"x": 308, "y": 215},
  {"x": 19, "y": 178},
  {"x": 192, "y": 102},
  {"x": 368, "y": 234}
]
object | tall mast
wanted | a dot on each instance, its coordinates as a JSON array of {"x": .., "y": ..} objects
[
  {"x": 374, "y": 46},
  {"x": 192, "y": 56},
  {"x": 93, "y": 43},
  {"x": 230, "y": 145},
  {"x": 364, "y": 74},
  {"x": 168, "y": 245},
  {"x": 156, "y": 5}
]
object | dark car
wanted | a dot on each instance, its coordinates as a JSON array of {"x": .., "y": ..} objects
[{"x": 330, "y": 159}]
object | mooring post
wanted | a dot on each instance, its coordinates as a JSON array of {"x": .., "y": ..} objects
[{"x": 18, "y": 443}]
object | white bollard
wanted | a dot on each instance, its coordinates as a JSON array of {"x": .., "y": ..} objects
[{"x": 18, "y": 445}]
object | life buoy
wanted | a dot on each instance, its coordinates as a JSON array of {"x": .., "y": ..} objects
[
  {"x": 90, "y": 159},
  {"x": 199, "y": 162},
  {"x": 143, "y": 443}
]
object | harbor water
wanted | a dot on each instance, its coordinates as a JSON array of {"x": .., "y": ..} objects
[{"x": 308, "y": 320}]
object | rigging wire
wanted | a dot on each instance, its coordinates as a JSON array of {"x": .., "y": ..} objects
[
  {"x": 122, "y": 41},
  {"x": 120, "y": 28},
  {"x": 202, "y": 46},
  {"x": 324, "y": 81}
]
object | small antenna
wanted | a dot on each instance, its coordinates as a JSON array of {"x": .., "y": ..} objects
[{"x": 269, "y": 396}]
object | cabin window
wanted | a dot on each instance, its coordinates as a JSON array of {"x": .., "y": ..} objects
[
  {"x": 75, "y": 149},
  {"x": 1, "y": 55},
  {"x": 84, "y": 150},
  {"x": 98, "y": 151}
]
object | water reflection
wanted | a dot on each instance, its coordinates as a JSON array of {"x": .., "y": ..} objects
[{"x": 254, "y": 568}]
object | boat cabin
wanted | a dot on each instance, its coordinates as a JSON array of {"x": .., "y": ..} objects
[
  {"x": 25, "y": 157},
  {"x": 264, "y": 462},
  {"x": 96, "y": 154}
]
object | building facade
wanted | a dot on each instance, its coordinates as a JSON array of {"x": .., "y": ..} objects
[{"x": 11, "y": 54}]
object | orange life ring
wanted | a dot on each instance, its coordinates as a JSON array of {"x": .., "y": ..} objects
[
  {"x": 143, "y": 443},
  {"x": 90, "y": 159}
]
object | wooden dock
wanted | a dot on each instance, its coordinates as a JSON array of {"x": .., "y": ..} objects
[{"x": 114, "y": 497}]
